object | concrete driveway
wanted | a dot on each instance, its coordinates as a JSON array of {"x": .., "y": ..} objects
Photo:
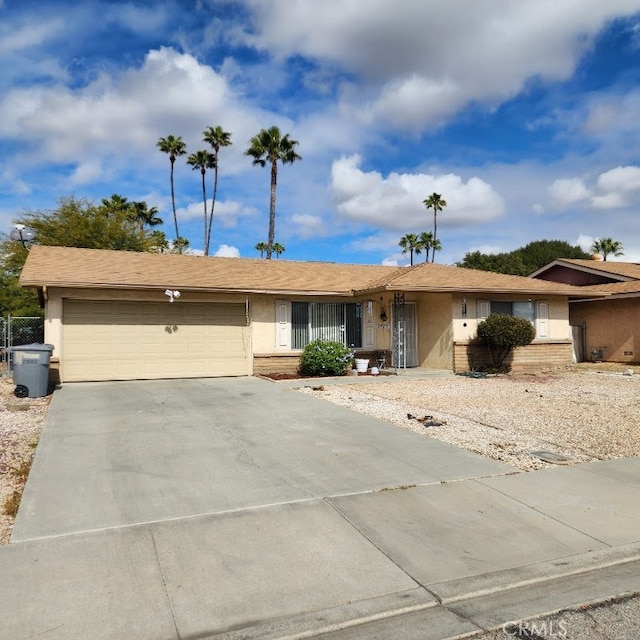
[
  {"x": 239, "y": 508},
  {"x": 116, "y": 454}
]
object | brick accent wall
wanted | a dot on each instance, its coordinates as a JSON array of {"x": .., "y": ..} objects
[
  {"x": 289, "y": 363},
  {"x": 538, "y": 355},
  {"x": 275, "y": 363}
]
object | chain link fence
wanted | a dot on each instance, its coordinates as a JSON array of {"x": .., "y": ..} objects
[{"x": 16, "y": 331}]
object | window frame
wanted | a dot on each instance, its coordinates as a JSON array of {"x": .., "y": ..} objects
[
  {"x": 351, "y": 323},
  {"x": 539, "y": 317}
]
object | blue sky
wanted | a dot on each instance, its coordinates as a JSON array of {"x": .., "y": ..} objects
[{"x": 524, "y": 115}]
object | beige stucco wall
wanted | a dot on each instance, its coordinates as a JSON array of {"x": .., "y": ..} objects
[
  {"x": 465, "y": 329},
  {"x": 436, "y": 331},
  {"x": 613, "y": 325},
  {"x": 263, "y": 324}
]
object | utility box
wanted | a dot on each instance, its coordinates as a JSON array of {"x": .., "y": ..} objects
[{"x": 31, "y": 369}]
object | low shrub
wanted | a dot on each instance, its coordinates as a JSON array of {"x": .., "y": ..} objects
[
  {"x": 325, "y": 358},
  {"x": 502, "y": 334}
]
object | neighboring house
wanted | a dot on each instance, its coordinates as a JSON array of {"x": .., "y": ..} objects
[
  {"x": 109, "y": 316},
  {"x": 607, "y": 328}
]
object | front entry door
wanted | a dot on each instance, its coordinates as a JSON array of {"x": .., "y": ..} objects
[{"x": 405, "y": 336}]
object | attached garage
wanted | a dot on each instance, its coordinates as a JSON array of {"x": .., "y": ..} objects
[{"x": 125, "y": 340}]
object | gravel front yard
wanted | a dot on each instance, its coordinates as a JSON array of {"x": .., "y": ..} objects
[
  {"x": 21, "y": 421},
  {"x": 583, "y": 416}
]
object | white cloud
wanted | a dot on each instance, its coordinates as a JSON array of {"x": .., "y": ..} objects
[
  {"x": 395, "y": 202},
  {"x": 422, "y": 60},
  {"x": 537, "y": 208},
  {"x": 615, "y": 188},
  {"x": 129, "y": 111},
  {"x": 227, "y": 251},
  {"x": 608, "y": 201},
  {"x": 489, "y": 249},
  {"x": 390, "y": 262},
  {"x": 28, "y": 35},
  {"x": 566, "y": 191},
  {"x": 610, "y": 115},
  {"x": 226, "y": 213},
  {"x": 584, "y": 241},
  {"x": 308, "y": 226},
  {"x": 620, "y": 179}
]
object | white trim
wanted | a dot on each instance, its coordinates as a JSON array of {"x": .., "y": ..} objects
[
  {"x": 542, "y": 319},
  {"x": 483, "y": 309},
  {"x": 283, "y": 325}
]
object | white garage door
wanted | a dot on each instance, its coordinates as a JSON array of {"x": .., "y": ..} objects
[{"x": 148, "y": 340}]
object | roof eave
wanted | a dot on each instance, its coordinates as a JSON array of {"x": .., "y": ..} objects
[
  {"x": 489, "y": 290},
  {"x": 149, "y": 287},
  {"x": 583, "y": 268}
]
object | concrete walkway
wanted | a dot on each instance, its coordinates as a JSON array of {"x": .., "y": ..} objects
[{"x": 243, "y": 509}]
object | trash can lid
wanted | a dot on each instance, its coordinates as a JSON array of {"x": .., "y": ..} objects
[{"x": 36, "y": 346}]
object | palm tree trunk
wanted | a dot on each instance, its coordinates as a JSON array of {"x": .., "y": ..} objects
[
  {"x": 272, "y": 208},
  {"x": 435, "y": 233},
  {"x": 173, "y": 202},
  {"x": 204, "y": 201},
  {"x": 213, "y": 204}
]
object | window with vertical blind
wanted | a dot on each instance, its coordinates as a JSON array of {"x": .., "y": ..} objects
[{"x": 337, "y": 321}]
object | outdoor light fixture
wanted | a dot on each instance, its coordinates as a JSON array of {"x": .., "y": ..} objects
[
  {"x": 464, "y": 307},
  {"x": 383, "y": 315},
  {"x": 172, "y": 294}
]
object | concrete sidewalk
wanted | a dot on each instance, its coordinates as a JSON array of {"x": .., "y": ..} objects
[{"x": 357, "y": 553}]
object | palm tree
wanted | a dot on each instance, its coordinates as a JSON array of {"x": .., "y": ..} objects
[
  {"x": 115, "y": 204},
  {"x": 143, "y": 216},
  {"x": 202, "y": 160},
  {"x": 179, "y": 245},
  {"x": 158, "y": 242},
  {"x": 426, "y": 242},
  {"x": 278, "y": 249},
  {"x": 262, "y": 247},
  {"x": 607, "y": 246},
  {"x": 410, "y": 244},
  {"x": 435, "y": 202},
  {"x": 217, "y": 137},
  {"x": 271, "y": 146},
  {"x": 175, "y": 147}
]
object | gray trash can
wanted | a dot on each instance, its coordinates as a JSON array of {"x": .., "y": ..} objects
[{"x": 31, "y": 369}]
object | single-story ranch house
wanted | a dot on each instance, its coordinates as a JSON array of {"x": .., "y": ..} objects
[
  {"x": 606, "y": 328},
  {"x": 115, "y": 315}
]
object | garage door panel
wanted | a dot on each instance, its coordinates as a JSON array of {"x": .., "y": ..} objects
[{"x": 115, "y": 340}]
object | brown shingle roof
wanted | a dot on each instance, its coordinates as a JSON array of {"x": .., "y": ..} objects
[
  {"x": 630, "y": 286},
  {"x": 92, "y": 268},
  {"x": 438, "y": 277},
  {"x": 70, "y": 267}
]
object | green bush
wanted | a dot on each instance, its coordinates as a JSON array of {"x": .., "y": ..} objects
[
  {"x": 502, "y": 334},
  {"x": 325, "y": 358}
]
